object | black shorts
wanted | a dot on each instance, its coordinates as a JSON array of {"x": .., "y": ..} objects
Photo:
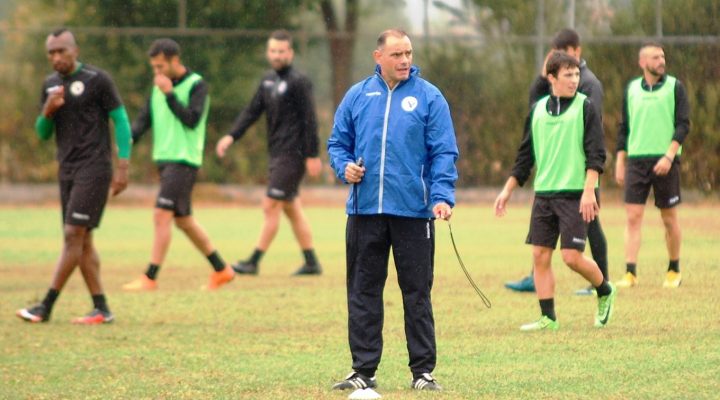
[
  {"x": 639, "y": 177},
  {"x": 554, "y": 217},
  {"x": 83, "y": 195},
  {"x": 286, "y": 172},
  {"x": 176, "y": 184}
]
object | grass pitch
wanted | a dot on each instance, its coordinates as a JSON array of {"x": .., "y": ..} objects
[{"x": 279, "y": 337}]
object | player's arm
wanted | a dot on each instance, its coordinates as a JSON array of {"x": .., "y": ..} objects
[
  {"x": 503, "y": 197},
  {"x": 311, "y": 142},
  {"x": 189, "y": 116},
  {"x": 247, "y": 117},
  {"x": 123, "y": 138},
  {"x": 594, "y": 138},
  {"x": 123, "y": 135},
  {"x": 682, "y": 127},
  {"x": 525, "y": 159},
  {"x": 594, "y": 147},
  {"x": 682, "y": 115},
  {"x": 44, "y": 127},
  {"x": 588, "y": 202},
  {"x": 51, "y": 100},
  {"x": 521, "y": 170},
  {"x": 142, "y": 122},
  {"x": 341, "y": 143},
  {"x": 110, "y": 101},
  {"x": 442, "y": 153},
  {"x": 306, "y": 102},
  {"x": 621, "y": 145}
]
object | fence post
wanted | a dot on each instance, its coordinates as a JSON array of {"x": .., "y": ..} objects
[
  {"x": 658, "y": 18},
  {"x": 540, "y": 34}
]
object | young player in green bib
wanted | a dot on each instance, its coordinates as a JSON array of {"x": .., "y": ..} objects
[{"x": 564, "y": 138}]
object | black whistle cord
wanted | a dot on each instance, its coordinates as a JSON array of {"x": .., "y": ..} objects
[{"x": 484, "y": 298}]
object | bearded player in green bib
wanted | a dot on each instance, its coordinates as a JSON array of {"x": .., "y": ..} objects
[
  {"x": 656, "y": 120},
  {"x": 564, "y": 138},
  {"x": 177, "y": 112}
]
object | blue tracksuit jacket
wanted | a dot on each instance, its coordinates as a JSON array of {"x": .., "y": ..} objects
[{"x": 407, "y": 140}]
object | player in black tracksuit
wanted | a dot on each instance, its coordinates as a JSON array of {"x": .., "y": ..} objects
[
  {"x": 285, "y": 96},
  {"x": 569, "y": 41}
]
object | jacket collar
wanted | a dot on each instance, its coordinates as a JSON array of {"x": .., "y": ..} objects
[{"x": 414, "y": 71}]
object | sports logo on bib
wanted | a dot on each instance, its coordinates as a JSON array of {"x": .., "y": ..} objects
[
  {"x": 77, "y": 88},
  {"x": 409, "y": 103}
]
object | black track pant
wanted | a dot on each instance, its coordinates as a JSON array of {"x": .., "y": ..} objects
[{"x": 369, "y": 239}]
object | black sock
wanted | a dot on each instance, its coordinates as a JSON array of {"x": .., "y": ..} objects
[
  {"x": 631, "y": 268},
  {"x": 100, "y": 303},
  {"x": 49, "y": 300},
  {"x": 152, "y": 271},
  {"x": 598, "y": 246},
  {"x": 216, "y": 261},
  {"x": 366, "y": 372},
  {"x": 674, "y": 265},
  {"x": 310, "y": 257},
  {"x": 256, "y": 256},
  {"x": 547, "y": 308},
  {"x": 604, "y": 289}
]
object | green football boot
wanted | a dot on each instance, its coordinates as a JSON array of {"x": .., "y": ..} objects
[
  {"x": 606, "y": 305},
  {"x": 544, "y": 323}
]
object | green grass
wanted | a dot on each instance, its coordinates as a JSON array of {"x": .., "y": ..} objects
[{"x": 278, "y": 337}]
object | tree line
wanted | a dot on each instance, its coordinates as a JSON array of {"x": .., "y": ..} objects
[{"x": 485, "y": 78}]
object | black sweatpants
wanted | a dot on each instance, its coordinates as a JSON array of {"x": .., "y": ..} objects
[{"x": 369, "y": 239}]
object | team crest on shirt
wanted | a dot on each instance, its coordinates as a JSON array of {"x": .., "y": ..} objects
[
  {"x": 282, "y": 87},
  {"x": 409, "y": 103},
  {"x": 77, "y": 88}
]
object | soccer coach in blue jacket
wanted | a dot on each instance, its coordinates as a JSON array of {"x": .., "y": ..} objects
[{"x": 400, "y": 125}]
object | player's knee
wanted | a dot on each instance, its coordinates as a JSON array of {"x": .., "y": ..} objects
[
  {"x": 74, "y": 235},
  {"x": 162, "y": 217},
  {"x": 571, "y": 258},
  {"x": 669, "y": 220},
  {"x": 272, "y": 210},
  {"x": 183, "y": 223},
  {"x": 634, "y": 218},
  {"x": 541, "y": 256}
]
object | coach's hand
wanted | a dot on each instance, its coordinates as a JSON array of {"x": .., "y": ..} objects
[
  {"x": 313, "y": 165},
  {"x": 354, "y": 173},
  {"x": 223, "y": 144},
  {"x": 120, "y": 177},
  {"x": 442, "y": 211},
  {"x": 54, "y": 101}
]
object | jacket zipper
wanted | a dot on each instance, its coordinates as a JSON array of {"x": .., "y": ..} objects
[
  {"x": 382, "y": 151},
  {"x": 422, "y": 181}
]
